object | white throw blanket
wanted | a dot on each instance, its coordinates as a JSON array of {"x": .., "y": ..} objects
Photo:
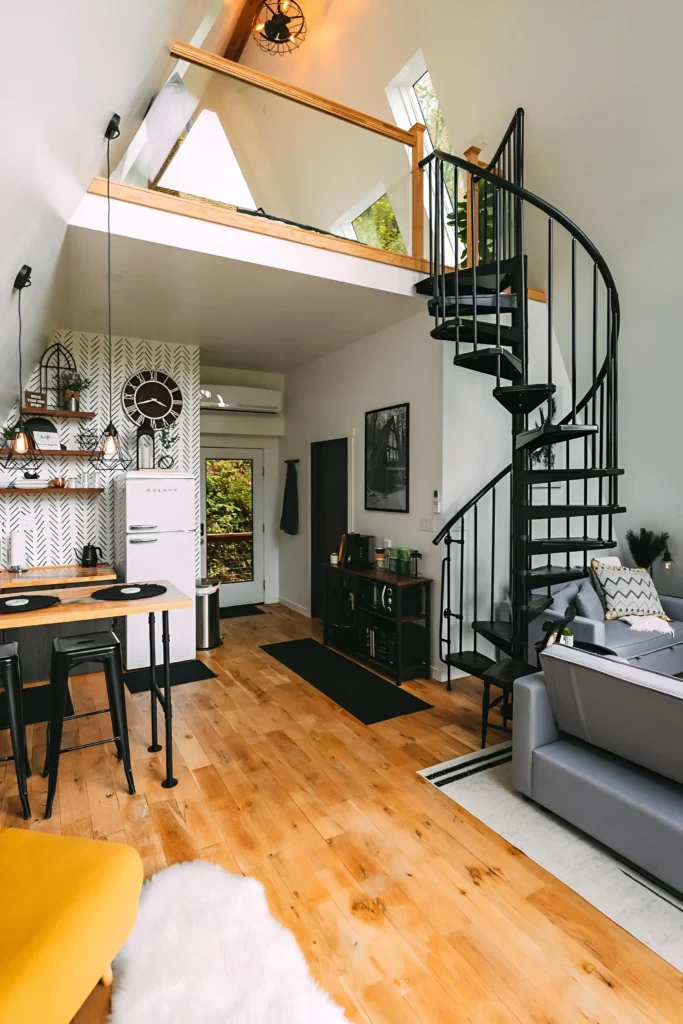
[{"x": 648, "y": 624}]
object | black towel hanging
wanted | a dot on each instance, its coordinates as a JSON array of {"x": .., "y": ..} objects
[{"x": 289, "y": 521}]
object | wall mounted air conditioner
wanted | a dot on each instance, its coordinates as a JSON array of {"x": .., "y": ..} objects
[{"x": 233, "y": 398}]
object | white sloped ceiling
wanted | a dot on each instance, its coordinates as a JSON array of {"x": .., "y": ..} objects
[{"x": 66, "y": 67}]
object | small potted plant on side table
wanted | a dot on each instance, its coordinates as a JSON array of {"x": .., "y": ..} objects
[{"x": 72, "y": 385}]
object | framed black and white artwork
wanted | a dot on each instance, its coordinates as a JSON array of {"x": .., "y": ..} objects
[{"x": 387, "y": 468}]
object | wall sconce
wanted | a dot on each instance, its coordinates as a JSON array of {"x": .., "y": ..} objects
[{"x": 667, "y": 560}]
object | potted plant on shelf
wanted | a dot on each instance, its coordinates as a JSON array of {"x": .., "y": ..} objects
[
  {"x": 8, "y": 437},
  {"x": 72, "y": 385}
]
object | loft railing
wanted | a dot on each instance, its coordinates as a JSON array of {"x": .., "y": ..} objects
[
  {"x": 270, "y": 134},
  {"x": 498, "y": 557}
]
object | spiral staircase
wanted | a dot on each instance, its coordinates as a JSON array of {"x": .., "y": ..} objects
[{"x": 538, "y": 521}]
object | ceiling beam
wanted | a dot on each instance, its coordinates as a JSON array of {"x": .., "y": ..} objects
[{"x": 240, "y": 36}]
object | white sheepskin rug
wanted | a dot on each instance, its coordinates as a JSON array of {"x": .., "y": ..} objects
[{"x": 206, "y": 950}]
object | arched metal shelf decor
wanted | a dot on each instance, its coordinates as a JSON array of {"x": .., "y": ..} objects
[
  {"x": 279, "y": 26},
  {"x": 53, "y": 362}
]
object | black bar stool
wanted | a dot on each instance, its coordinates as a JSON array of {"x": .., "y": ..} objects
[
  {"x": 67, "y": 652},
  {"x": 10, "y": 679}
]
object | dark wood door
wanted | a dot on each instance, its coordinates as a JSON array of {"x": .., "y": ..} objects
[{"x": 329, "y": 509}]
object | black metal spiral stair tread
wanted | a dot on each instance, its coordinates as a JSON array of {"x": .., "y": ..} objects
[
  {"x": 554, "y": 545},
  {"x": 551, "y": 476},
  {"x": 570, "y": 511},
  {"x": 472, "y": 662},
  {"x": 523, "y": 398},
  {"x": 485, "y": 360},
  {"x": 547, "y": 575},
  {"x": 535, "y": 605},
  {"x": 464, "y": 306},
  {"x": 485, "y": 279},
  {"x": 448, "y": 331},
  {"x": 554, "y": 433},
  {"x": 504, "y": 672},
  {"x": 497, "y": 633}
]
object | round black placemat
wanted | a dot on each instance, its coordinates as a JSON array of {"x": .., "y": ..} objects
[
  {"x": 129, "y": 592},
  {"x": 26, "y": 603}
]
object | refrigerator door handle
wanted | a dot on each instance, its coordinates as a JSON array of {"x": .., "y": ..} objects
[
  {"x": 143, "y": 527},
  {"x": 142, "y": 540}
]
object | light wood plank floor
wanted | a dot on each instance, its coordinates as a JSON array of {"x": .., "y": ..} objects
[{"x": 409, "y": 910}]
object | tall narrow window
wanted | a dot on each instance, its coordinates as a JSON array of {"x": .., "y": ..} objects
[{"x": 413, "y": 98}]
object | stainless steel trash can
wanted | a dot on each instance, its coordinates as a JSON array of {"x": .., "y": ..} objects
[{"x": 208, "y": 616}]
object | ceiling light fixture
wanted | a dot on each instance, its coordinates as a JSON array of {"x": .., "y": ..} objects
[
  {"x": 109, "y": 455},
  {"x": 279, "y": 26}
]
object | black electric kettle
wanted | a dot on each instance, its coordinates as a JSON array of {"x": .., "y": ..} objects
[{"x": 89, "y": 555}]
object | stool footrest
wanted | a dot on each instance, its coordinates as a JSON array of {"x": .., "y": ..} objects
[
  {"x": 83, "y": 746},
  {"x": 86, "y": 714}
]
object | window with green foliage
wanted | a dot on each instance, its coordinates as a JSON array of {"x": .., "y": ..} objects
[
  {"x": 229, "y": 520},
  {"x": 377, "y": 226},
  {"x": 433, "y": 118}
]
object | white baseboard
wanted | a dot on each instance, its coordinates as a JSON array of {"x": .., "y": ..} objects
[{"x": 300, "y": 608}]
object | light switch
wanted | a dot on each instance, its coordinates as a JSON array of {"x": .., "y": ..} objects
[{"x": 427, "y": 524}]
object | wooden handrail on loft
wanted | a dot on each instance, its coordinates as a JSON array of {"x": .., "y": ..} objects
[
  {"x": 413, "y": 138},
  {"x": 227, "y": 216}
]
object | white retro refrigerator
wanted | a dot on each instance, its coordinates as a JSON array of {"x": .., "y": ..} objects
[{"x": 155, "y": 540}]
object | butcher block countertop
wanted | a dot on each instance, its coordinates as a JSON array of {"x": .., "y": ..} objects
[{"x": 55, "y": 576}]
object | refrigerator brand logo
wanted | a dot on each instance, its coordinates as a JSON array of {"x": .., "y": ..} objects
[{"x": 162, "y": 490}]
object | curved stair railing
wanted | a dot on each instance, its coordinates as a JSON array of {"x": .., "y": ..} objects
[{"x": 561, "y": 486}]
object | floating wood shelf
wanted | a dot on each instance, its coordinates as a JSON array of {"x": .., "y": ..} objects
[
  {"x": 49, "y": 453},
  {"x": 51, "y": 490},
  {"x": 28, "y": 410}
]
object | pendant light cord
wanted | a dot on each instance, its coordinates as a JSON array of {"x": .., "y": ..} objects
[
  {"x": 20, "y": 364},
  {"x": 109, "y": 276}
]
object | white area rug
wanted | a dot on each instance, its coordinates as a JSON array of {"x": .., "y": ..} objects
[
  {"x": 482, "y": 784},
  {"x": 206, "y": 950}
]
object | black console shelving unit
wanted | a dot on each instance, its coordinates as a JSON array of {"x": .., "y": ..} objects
[{"x": 381, "y": 618}]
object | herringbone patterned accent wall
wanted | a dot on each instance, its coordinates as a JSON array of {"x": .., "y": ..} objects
[{"x": 58, "y": 523}]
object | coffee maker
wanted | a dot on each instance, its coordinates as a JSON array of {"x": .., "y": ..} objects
[{"x": 360, "y": 550}]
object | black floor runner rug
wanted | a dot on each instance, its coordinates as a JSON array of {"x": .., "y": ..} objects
[
  {"x": 181, "y": 672},
  {"x": 366, "y": 696},
  {"x": 239, "y": 610},
  {"x": 36, "y": 703}
]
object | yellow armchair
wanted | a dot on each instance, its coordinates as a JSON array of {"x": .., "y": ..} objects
[{"x": 68, "y": 906}]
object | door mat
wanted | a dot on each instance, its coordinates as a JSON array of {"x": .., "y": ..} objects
[
  {"x": 36, "y": 701},
  {"x": 191, "y": 671},
  {"x": 362, "y": 693},
  {"x": 237, "y": 610}
]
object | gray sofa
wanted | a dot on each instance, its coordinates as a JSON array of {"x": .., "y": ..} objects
[
  {"x": 660, "y": 652},
  {"x": 598, "y": 742}
]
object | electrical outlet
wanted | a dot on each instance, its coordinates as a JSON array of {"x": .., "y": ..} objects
[{"x": 427, "y": 524}]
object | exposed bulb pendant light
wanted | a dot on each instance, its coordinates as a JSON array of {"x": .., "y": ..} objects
[
  {"x": 110, "y": 455},
  {"x": 20, "y": 442}
]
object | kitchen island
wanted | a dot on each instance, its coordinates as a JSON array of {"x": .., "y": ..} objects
[{"x": 36, "y": 644}]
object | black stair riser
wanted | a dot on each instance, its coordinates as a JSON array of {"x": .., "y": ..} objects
[
  {"x": 485, "y": 360},
  {"x": 557, "y": 545},
  {"x": 486, "y": 305},
  {"x": 571, "y": 511},
  {"x": 550, "y": 476},
  {"x": 558, "y": 433}
]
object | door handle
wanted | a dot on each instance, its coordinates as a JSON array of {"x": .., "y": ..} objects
[
  {"x": 143, "y": 527},
  {"x": 143, "y": 540}
]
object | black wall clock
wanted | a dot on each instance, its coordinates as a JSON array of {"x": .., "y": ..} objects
[{"x": 152, "y": 398}]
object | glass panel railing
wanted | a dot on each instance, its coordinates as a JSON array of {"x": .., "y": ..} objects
[{"x": 271, "y": 158}]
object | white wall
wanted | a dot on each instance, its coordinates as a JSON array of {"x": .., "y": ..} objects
[
  {"x": 328, "y": 398},
  {"x": 230, "y": 430},
  {"x": 601, "y": 85},
  {"x": 66, "y": 68}
]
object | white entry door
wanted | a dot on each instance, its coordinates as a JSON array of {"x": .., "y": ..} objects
[{"x": 232, "y": 520}]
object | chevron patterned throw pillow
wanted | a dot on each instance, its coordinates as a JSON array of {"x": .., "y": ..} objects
[{"x": 625, "y": 591}]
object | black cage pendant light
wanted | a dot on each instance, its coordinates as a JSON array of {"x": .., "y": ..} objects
[
  {"x": 20, "y": 443},
  {"x": 279, "y": 26},
  {"x": 110, "y": 455}
]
